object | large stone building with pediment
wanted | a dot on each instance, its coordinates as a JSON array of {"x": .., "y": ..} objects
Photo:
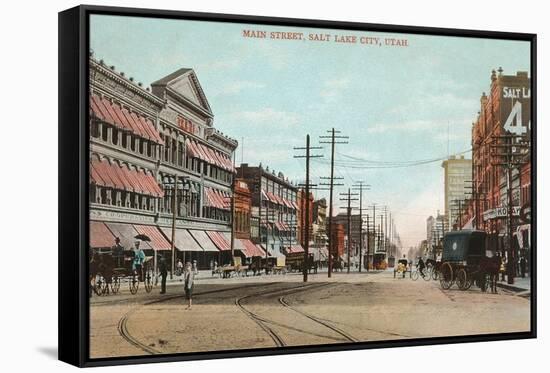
[{"x": 155, "y": 156}]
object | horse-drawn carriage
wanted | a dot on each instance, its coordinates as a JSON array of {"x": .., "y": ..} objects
[
  {"x": 108, "y": 270},
  {"x": 465, "y": 261}
]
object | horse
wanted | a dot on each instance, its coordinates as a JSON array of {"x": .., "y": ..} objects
[
  {"x": 101, "y": 264},
  {"x": 490, "y": 267}
]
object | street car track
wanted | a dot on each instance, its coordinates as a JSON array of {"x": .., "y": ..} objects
[
  {"x": 339, "y": 331},
  {"x": 262, "y": 322},
  {"x": 122, "y": 325},
  {"x": 327, "y": 323}
]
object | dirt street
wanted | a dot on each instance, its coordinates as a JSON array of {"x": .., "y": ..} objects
[{"x": 278, "y": 311}]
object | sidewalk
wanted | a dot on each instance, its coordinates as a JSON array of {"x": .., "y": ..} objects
[{"x": 520, "y": 285}]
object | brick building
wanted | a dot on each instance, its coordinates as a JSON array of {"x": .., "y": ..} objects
[
  {"x": 274, "y": 206},
  {"x": 504, "y": 111}
]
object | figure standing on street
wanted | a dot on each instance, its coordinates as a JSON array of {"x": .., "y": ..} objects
[
  {"x": 179, "y": 268},
  {"x": 188, "y": 284},
  {"x": 163, "y": 269},
  {"x": 118, "y": 253},
  {"x": 139, "y": 258},
  {"x": 522, "y": 266}
]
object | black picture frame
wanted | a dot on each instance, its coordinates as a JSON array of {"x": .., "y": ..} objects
[{"x": 74, "y": 170}]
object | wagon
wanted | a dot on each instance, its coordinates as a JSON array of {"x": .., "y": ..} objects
[
  {"x": 108, "y": 272},
  {"x": 465, "y": 260}
]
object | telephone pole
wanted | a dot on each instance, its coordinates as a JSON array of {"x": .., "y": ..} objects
[
  {"x": 348, "y": 197},
  {"x": 360, "y": 185},
  {"x": 332, "y": 139},
  {"x": 512, "y": 150},
  {"x": 306, "y": 227}
]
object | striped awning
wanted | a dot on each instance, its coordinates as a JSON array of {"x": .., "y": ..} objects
[
  {"x": 296, "y": 249},
  {"x": 112, "y": 175},
  {"x": 158, "y": 241},
  {"x": 183, "y": 239},
  {"x": 249, "y": 249},
  {"x": 127, "y": 233},
  {"x": 100, "y": 235},
  {"x": 202, "y": 238},
  {"x": 118, "y": 116},
  {"x": 217, "y": 198},
  {"x": 203, "y": 152},
  {"x": 219, "y": 240}
]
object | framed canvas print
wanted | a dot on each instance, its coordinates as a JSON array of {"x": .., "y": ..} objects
[{"x": 234, "y": 186}]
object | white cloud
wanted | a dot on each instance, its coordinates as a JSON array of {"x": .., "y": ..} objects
[
  {"x": 238, "y": 87},
  {"x": 268, "y": 116},
  {"x": 333, "y": 89}
]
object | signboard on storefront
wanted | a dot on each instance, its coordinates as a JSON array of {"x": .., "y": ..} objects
[{"x": 500, "y": 212}]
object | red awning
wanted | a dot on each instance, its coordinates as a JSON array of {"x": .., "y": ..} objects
[
  {"x": 217, "y": 199},
  {"x": 100, "y": 235},
  {"x": 297, "y": 249},
  {"x": 205, "y": 153},
  {"x": 219, "y": 240},
  {"x": 122, "y": 118},
  {"x": 158, "y": 241},
  {"x": 112, "y": 175},
  {"x": 249, "y": 249}
]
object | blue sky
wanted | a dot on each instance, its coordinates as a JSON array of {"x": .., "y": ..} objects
[{"x": 395, "y": 103}]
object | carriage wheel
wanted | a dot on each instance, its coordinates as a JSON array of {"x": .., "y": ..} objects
[
  {"x": 414, "y": 275},
  {"x": 148, "y": 280},
  {"x": 435, "y": 274},
  {"x": 115, "y": 284},
  {"x": 134, "y": 284},
  {"x": 483, "y": 282},
  {"x": 446, "y": 276},
  {"x": 100, "y": 285},
  {"x": 462, "y": 279}
]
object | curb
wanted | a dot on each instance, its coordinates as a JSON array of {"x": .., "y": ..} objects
[{"x": 511, "y": 287}]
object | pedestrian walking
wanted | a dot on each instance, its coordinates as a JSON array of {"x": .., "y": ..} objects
[
  {"x": 163, "y": 269},
  {"x": 522, "y": 266},
  {"x": 188, "y": 284}
]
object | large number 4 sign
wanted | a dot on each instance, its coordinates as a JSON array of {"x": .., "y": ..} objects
[{"x": 514, "y": 122}]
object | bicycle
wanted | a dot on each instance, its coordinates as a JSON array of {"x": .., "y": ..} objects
[{"x": 417, "y": 273}]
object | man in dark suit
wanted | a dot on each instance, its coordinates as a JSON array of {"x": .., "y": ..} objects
[{"x": 163, "y": 269}]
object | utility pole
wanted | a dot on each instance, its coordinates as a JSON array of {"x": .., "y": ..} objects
[
  {"x": 174, "y": 216},
  {"x": 233, "y": 215},
  {"x": 306, "y": 226},
  {"x": 374, "y": 237},
  {"x": 368, "y": 243},
  {"x": 361, "y": 186},
  {"x": 348, "y": 198},
  {"x": 333, "y": 141},
  {"x": 512, "y": 150}
]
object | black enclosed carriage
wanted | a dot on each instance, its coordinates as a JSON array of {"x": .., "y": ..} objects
[{"x": 464, "y": 260}]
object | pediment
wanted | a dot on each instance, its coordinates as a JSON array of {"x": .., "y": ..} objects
[{"x": 185, "y": 83}]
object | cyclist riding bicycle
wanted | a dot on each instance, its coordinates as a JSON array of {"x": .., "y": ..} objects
[{"x": 421, "y": 266}]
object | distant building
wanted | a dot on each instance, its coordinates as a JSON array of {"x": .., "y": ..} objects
[
  {"x": 457, "y": 184},
  {"x": 356, "y": 231},
  {"x": 274, "y": 204},
  {"x": 337, "y": 240},
  {"x": 319, "y": 225}
]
